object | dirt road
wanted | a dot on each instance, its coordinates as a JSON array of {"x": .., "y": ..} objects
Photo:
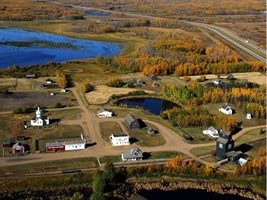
[{"x": 90, "y": 123}]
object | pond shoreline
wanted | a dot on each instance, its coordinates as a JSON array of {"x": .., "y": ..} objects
[{"x": 132, "y": 189}]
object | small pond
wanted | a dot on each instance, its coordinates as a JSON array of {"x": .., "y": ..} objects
[
  {"x": 153, "y": 105},
  {"x": 25, "y": 47},
  {"x": 97, "y": 14}
]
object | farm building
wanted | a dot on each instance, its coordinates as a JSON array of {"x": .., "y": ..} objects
[
  {"x": 103, "y": 112},
  {"x": 18, "y": 148},
  {"x": 224, "y": 144},
  {"x": 132, "y": 155},
  {"x": 66, "y": 146},
  {"x": 75, "y": 145},
  {"x": 39, "y": 120},
  {"x": 226, "y": 109},
  {"x": 55, "y": 146},
  {"x": 131, "y": 122},
  {"x": 119, "y": 139}
]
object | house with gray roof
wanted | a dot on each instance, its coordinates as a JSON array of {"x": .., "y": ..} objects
[
  {"x": 132, "y": 155},
  {"x": 132, "y": 122}
]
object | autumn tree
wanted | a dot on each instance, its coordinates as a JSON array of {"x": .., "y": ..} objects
[
  {"x": 86, "y": 87},
  {"x": 114, "y": 82},
  {"x": 61, "y": 79}
]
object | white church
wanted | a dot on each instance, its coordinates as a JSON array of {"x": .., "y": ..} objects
[{"x": 39, "y": 120}]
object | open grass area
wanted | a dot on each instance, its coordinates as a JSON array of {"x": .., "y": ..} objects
[
  {"x": 65, "y": 114},
  {"x": 109, "y": 128},
  {"x": 200, "y": 151},
  {"x": 111, "y": 159},
  {"x": 142, "y": 138},
  {"x": 57, "y": 165},
  {"x": 250, "y": 136},
  {"x": 197, "y": 135},
  {"x": 164, "y": 154},
  {"x": 238, "y": 114}
]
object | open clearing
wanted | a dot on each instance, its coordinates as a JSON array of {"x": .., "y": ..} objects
[
  {"x": 21, "y": 99},
  {"x": 255, "y": 77},
  {"x": 102, "y": 93}
]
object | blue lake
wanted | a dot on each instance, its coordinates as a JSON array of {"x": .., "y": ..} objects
[
  {"x": 42, "y": 48},
  {"x": 153, "y": 105}
]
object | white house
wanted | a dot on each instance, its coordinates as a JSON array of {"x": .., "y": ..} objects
[
  {"x": 103, "y": 112},
  {"x": 119, "y": 139},
  {"x": 75, "y": 145},
  {"x": 212, "y": 132},
  {"x": 39, "y": 120},
  {"x": 132, "y": 155},
  {"x": 226, "y": 109}
]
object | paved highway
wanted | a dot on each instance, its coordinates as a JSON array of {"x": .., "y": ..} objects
[
  {"x": 239, "y": 42},
  {"x": 230, "y": 37}
]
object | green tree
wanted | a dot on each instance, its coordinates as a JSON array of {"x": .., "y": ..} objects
[{"x": 99, "y": 185}]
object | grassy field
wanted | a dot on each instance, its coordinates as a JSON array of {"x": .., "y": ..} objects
[
  {"x": 58, "y": 165},
  {"x": 109, "y": 128},
  {"x": 142, "y": 138},
  {"x": 250, "y": 136},
  {"x": 200, "y": 151},
  {"x": 197, "y": 135},
  {"x": 239, "y": 115},
  {"x": 112, "y": 159}
]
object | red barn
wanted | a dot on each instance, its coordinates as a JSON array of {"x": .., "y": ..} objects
[
  {"x": 55, "y": 146},
  {"x": 18, "y": 148}
]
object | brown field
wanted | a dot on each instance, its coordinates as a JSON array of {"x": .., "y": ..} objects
[
  {"x": 102, "y": 93},
  {"x": 255, "y": 77}
]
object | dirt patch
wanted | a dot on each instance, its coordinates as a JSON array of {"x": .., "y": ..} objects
[
  {"x": 102, "y": 93},
  {"x": 21, "y": 99}
]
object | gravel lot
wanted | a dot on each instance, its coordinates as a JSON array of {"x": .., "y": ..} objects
[{"x": 20, "y": 99}]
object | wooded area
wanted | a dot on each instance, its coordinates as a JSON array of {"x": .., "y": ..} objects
[{"x": 27, "y": 10}]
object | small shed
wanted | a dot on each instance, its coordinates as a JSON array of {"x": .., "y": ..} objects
[
  {"x": 248, "y": 116},
  {"x": 49, "y": 81},
  {"x": 18, "y": 148},
  {"x": 151, "y": 131},
  {"x": 187, "y": 137},
  {"x": 230, "y": 77},
  {"x": 131, "y": 122},
  {"x": 30, "y": 76}
]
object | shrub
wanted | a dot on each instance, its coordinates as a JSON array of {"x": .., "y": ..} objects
[{"x": 115, "y": 82}]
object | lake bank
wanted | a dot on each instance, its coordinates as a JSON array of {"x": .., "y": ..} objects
[{"x": 167, "y": 189}]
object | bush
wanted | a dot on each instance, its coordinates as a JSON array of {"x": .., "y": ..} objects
[
  {"x": 58, "y": 105},
  {"x": 87, "y": 87},
  {"x": 115, "y": 82}
]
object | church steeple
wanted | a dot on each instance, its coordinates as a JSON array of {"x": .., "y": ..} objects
[{"x": 38, "y": 113}]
